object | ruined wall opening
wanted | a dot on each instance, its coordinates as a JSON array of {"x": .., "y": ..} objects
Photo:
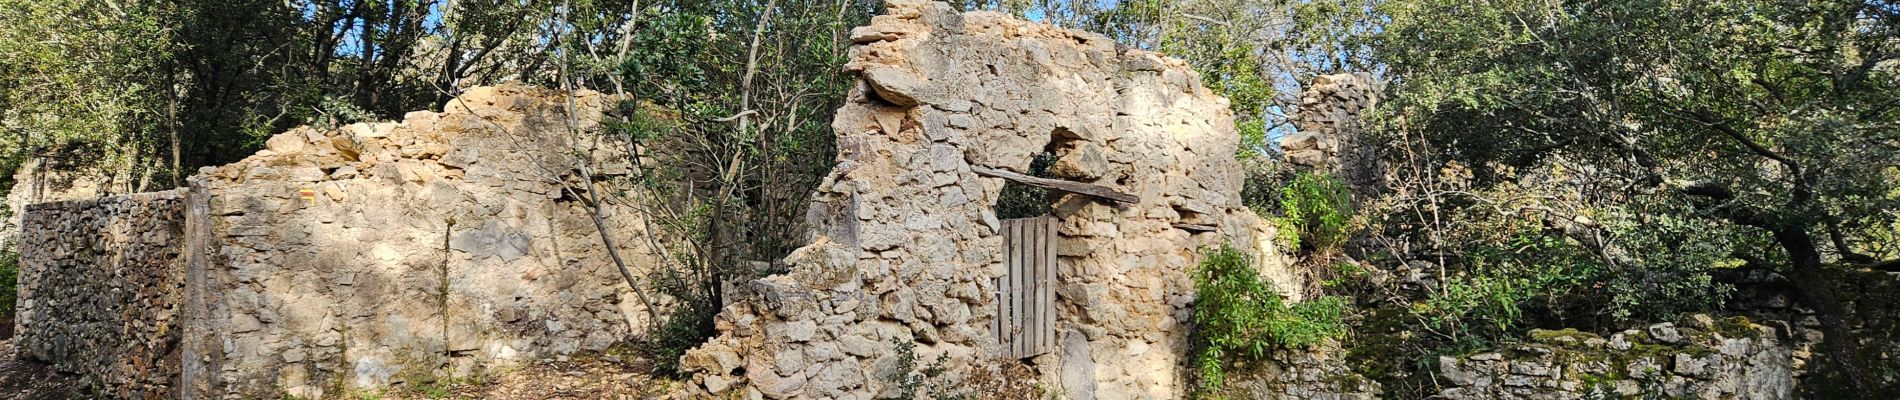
[
  {"x": 1025, "y": 293},
  {"x": 1020, "y": 200},
  {"x": 1056, "y": 161}
]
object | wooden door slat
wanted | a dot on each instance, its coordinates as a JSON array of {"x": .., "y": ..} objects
[{"x": 1025, "y": 294}]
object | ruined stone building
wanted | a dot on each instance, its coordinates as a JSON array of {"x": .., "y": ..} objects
[
  {"x": 1329, "y": 131},
  {"x": 363, "y": 256},
  {"x": 907, "y": 249},
  {"x": 338, "y": 259}
]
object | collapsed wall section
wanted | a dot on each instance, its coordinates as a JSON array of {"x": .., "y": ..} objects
[
  {"x": 442, "y": 245},
  {"x": 905, "y": 241},
  {"x": 100, "y": 284},
  {"x": 336, "y": 260},
  {"x": 1332, "y": 133}
]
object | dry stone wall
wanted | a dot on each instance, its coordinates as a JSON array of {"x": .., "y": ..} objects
[
  {"x": 1317, "y": 373},
  {"x": 100, "y": 290},
  {"x": 359, "y": 257},
  {"x": 905, "y": 242},
  {"x": 1704, "y": 358},
  {"x": 1872, "y": 301},
  {"x": 1330, "y": 126},
  {"x": 441, "y": 245}
]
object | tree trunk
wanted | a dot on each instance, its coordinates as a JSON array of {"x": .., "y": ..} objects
[{"x": 1817, "y": 292}]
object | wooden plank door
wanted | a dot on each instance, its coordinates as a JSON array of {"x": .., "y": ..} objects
[{"x": 1025, "y": 295}]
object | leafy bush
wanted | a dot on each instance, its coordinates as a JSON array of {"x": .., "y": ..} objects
[
  {"x": 688, "y": 327},
  {"x": 9, "y": 286},
  {"x": 1318, "y": 213},
  {"x": 1674, "y": 256},
  {"x": 1235, "y": 314},
  {"x": 935, "y": 380}
]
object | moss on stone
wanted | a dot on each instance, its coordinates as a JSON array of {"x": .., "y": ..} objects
[
  {"x": 1737, "y": 327},
  {"x": 1550, "y": 336}
]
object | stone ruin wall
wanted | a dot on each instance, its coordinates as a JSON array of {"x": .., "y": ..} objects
[
  {"x": 444, "y": 241},
  {"x": 100, "y": 284},
  {"x": 1329, "y": 130},
  {"x": 1703, "y": 358},
  {"x": 905, "y": 244},
  {"x": 443, "y": 245},
  {"x": 438, "y": 246},
  {"x": 1871, "y": 299},
  {"x": 35, "y": 181}
]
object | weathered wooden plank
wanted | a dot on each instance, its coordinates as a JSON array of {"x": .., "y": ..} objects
[
  {"x": 1029, "y": 288},
  {"x": 1049, "y": 284},
  {"x": 1008, "y": 310},
  {"x": 1049, "y": 272},
  {"x": 1089, "y": 189},
  {"x": 1015, "y": 288},
  {"x": 1033, "y": 324},
  {"x": 1022, "y": 285},
  {"x": 1002, "y": 291},
  {"x": 996, "y": 323},
  {"x": 1195, "y": 227},
  {"x": 1009, "y": 296}
]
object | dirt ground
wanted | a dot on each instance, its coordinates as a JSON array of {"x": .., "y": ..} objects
[
  {"x": 591, "y": 377},
  {"x": 23, "y": 380},
  {"x": 603, "y": 377}
]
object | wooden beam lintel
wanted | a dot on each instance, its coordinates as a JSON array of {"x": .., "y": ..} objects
[
  {"x": 1197, "y": 228},
  {"x": 1087, "y": 189}
]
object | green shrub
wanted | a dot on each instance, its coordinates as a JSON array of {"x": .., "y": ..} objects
[
  {"x": 1318, "y": 213},
  {"x": 1235, "y": 314},
  {"x": 933, "y": 380},
  {"x": 687, "y": 328},
  {"x": 9, "y": 284}
]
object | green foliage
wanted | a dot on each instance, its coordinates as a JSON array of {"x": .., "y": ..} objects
[
  {"x": 79, "y": 84},
  {"x": 1345, "y": 273},
  {"x": 1236, "y": 316},
  {"x": 1500, "y": 273},
  {"x": 1775, "y": 116},
  {"x": 684, "y": 329},
  {"x": 1318, "y": 213},
  {"x": 1510, "y": 272},
  {"x": 1675, "y": 253},
  {"x": 696, "y": 60},
  {"x": 146, "y": 91},
  {"x": 732, "y": 101},
  {"x": 1024, "y": 201},
  {"x": 334, "y": 112},
  {"x": 928, "y": 382},
  {"x": 9, "y": 284}
]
